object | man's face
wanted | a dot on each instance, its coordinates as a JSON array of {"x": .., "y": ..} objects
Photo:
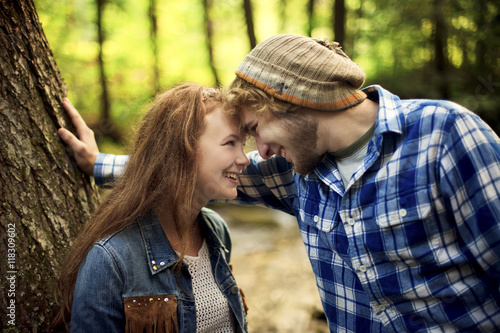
[{"x": 293, "y": 137}]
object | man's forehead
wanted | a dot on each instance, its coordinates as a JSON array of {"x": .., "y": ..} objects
[{"x": 247, "y": 115}]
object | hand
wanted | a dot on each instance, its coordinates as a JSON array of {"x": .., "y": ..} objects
[{"x": 85, "y": 146}]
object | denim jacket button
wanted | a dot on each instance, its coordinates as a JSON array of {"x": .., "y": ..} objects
[{"x": 234, "y": 290}]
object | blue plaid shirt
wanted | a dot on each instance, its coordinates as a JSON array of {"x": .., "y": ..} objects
[{"x": 412, "y": 243}]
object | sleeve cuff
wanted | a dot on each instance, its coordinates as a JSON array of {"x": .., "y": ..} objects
[{"x": 108, "y": 169}]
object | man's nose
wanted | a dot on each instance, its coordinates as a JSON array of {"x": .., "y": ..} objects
[{"x": 264, "y": 149}]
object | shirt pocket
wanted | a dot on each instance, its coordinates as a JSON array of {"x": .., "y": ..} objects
[
  {"x": 407, "y": 227},
  {"x": 317, "y": 208},
  {"x": 156, "y": 313},
  {"x": 403, "y": 209}
]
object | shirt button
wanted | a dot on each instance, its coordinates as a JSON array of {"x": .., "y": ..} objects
[
  {"x": 316, "y": 218},
  {"x": 403, "y": 212},
  {"x": 351, "y": 221},
  {"x": 381, "y": 307},
  {"x": 362, "y": 269},
  {"x": 234, "y": 290}
]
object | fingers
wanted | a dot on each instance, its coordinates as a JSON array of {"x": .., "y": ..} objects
[
  {"x": 77, "y": 120},
  {"x": 70, "y": 139},
  {"x": 85, "y": 154},
  {"x": 85, "y": 134},
  {"x": 84, "y": 146}
]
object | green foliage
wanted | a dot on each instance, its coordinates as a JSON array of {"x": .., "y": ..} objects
[{"x": 394, "y": 41}]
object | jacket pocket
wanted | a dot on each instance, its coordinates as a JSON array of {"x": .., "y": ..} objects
[{"x": 151, "y": 314}]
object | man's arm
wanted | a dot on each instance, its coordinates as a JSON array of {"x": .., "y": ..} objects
[
  {"x": 85, "y": 146},
  {"x": 269, "y": 182},
  {"x": 470, "y": 178}
]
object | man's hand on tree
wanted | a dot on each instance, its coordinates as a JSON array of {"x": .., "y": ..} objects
[{"x": 85, "y": 146}]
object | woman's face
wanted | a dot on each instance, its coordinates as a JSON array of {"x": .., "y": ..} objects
[{"x": 221, "y": 158}]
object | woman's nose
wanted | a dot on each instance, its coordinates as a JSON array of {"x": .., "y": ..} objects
[{"x": 243, "y": 159}]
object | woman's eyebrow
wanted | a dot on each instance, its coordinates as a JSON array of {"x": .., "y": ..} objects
[{"x": 232, "y": 136}]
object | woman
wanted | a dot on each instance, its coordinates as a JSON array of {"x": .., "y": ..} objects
[{"x": 152, "y": 258}]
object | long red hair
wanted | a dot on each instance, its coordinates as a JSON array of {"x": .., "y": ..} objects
[{"x": 162, "y": 166}]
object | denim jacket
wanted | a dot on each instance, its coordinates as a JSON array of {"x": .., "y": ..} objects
[{"x": 127, "y": 278}]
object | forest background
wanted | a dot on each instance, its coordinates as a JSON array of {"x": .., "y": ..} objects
[{"x": 114, "y": 55}]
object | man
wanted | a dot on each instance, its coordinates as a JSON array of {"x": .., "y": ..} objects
[{"x": 398, "y": 201}]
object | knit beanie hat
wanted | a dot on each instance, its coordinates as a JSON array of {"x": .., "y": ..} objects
[{"x": 304, "y": 71}]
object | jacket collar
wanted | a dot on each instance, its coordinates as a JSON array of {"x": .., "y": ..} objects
[{"x": 159, "y": 252}]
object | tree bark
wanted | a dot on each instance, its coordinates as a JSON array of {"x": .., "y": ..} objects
[{"x": 45, "y": 198}]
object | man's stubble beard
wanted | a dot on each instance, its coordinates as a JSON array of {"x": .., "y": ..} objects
[{"x": 303, "y": 141}]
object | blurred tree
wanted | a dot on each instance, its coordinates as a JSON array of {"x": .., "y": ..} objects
[
  {"x": 207, "y": 6},
  {"x": 101, "y": 37},
  {"x": 153, "y": 32},
  {"x": 247, "y": 6},
  {"x": 480, "y": 15},
  {"x": 105, "y": 127},
  {"x": 282, "y": 15},
  {"x": 440, "y": 48},
  {"x": 45, "y": 198},
  {"x": 339, "y": 21},
  {"x": 398, "y": 43},
  {"x": 310, "y": 17}
]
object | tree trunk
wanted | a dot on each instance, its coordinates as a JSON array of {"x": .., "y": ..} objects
[
  {"x": 247, "y": 7},
  {"x": 153, "y": 32},
  {"x": 105, "y": 104},
  {"x": 207, "y": 6},
  {"x": 310, "y": 17},
  {"x": 339, "y": 21},
  {"x": 481, "y": 8},
  {"x": 440, "y": 54},
  {"x": 45, "y": 198},
  {"x": 282, "y": 15}
]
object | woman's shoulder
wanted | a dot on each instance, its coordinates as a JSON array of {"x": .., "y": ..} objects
[
  {"x": 128, "y": 234},
  {"x": 214, "y": 219},
  {"x": 218, "y": 227},
  {"x": 125, "y": 245}
]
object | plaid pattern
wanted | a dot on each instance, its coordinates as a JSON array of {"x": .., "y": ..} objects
[
  {"x": 108, "y": 168},
  {"x": 413, "y": 242}
]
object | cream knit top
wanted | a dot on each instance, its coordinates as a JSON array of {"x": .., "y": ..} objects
[{"x": 213, "y": 313}]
